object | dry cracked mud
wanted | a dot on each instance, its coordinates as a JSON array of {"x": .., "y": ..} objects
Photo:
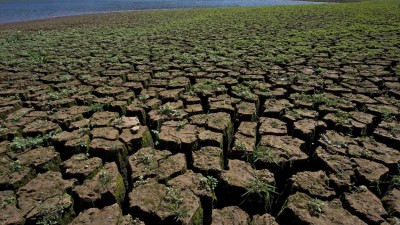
[{"x": 236, "y": 138}]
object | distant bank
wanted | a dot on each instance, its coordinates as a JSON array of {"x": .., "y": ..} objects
[{"x": 21, "y": 10}]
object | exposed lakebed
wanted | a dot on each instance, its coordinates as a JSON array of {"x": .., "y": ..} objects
[{"x": 247, "y": 115}]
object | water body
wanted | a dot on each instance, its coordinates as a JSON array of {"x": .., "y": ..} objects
[{"x": 20, "y": 10}]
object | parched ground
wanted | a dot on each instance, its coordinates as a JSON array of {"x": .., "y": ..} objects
[{"x": 263, "y": 115}]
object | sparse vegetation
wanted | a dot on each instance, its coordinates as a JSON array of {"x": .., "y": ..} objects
[
  {"x": 139, "y": 182},
  {"x": 240, "y": 146},
  {"x": 6, "y": 202},
  {"x": 181, "y": 124},
  {"x": 167, "y": 110},
  {"x": 316, "y": 207},
  {"x": 52, "y": 214},
  {"x": 174, "y": 201},
  {"x": 104, "y": 180},
  {"x": 156, "y": 135},
  {"x": 261, "y": 189},
  {"x": 314, "y": 69},
  {"x": 261, "y": 153},
  {"x": 145, "y": 159},
  {"x": 15, "y": 166},
  {"x": 343, "y": 117},
  {"x": 143, "y": 98},
  {"x": 245, "y": 92},
  {"x": 209, "y": 183},
  {"x": 97, "y": 107},
  {"x": 20, "y": 143}
]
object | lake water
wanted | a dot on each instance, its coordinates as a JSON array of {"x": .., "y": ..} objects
[{"x": 19, "y": 10}]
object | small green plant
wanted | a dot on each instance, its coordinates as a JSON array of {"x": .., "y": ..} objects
[
  {"x": 136, "y": 221},
  {"x": 339, "y": 144},
  {"x": 85, "y": 145},
  {"x": 394, "y": 181},
  {"x": 316, "y": 99},
  {"x": 191, "y": 92},
  {"x": 19, "y": 143},
  {"x": 244, "y": 91},
  {"x": 209, "y": 183},
  {"x": 343, "y": 117},
  {"x": 34, "y": 77},
  {"x": 39, "y": 57},
  {"x": 15, "y": 166},
  {"x": 174, "y": 201},
  {"x": 104, "y": 180},
  {"x": 167, "y": 110},
  {"x": 395, "y": 220},
  {"x": 15, "y": 118},
  {"x": 6, "y": 202},
  {"x": 240, "y": 146},
  {"x": 139, "y": 182},
  {"x": 296, "y": 77},
  {"x": 261, "y": 189},
  {"x": 394, "y": 130},
  {"x": 325, "y": 138},
  {"x": 145, "y": 159},
  {"x": 52, "y": 214},
  {"x": 156, "y": 135},
  {"x": 388, "y": 116},
  {"x": 181, "y": 124},
  {"x": 14, "y": 37},
  {"x": 66, "y": 77},
  {"x": 15, "y": 97},
  {"x": 294, "y": 113},
  {"x": 57, "y": 95},
  {"x": 206, "y": 85},
  {"x": 143, "y": 98},
  {"x": 82, "y": 157},
  {"x": 216, "y": 120},
  {"x": 96, "y": 107},
  {"x": 84, "y": 130},
  {"x": 316, "y": 207},
  {"x": 262, "y": 153},
  {"x": 254, "y": 116},
  {"x": 283, "y": 208},
  {"x": 318, "y": 70},
  {"x": 118, "y": 121}
]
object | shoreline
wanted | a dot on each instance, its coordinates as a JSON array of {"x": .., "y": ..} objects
[
  {"x": 67, "y": 20},
  {"x": 88, "y": 14},
  {"x": 10, "y": 24},
  {"x": 74, "y": 17}
]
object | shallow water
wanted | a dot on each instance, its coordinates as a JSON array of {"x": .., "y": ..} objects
[{"x": 19, "y": 10}]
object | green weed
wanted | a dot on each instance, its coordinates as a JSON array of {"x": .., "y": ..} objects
[
  {"x": 240, "y": 146},
  {"x": 261, "y": 153},
  {"x": 104, "y": 180},
  {"x": 181, "y": 124},
  {"x": 6, "y": 202},
  {"x": 209, "y": 183},
  {"x": 20, "y": 144},
  {"x": 15, "y": 166},
  {"x": 167, "y": 110},
  {"x": 316, "y": 207},
  {"x": 174, "y": 201},
  {"x": 261, "y": 189},
  {"x": 52, "y": 214}
]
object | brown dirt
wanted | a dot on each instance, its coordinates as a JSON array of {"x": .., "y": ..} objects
[{"x": 148, "y": 139}]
